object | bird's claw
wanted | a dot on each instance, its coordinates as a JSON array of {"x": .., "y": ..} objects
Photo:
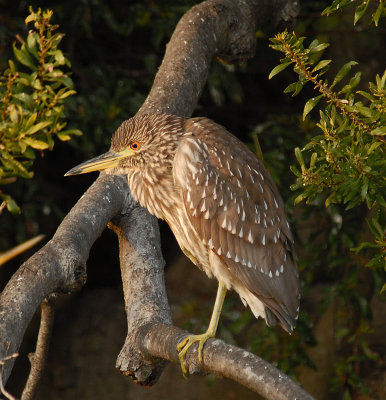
[{"x": 185, "y": 344}]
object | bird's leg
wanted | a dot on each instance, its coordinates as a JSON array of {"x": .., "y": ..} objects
[{"x": 183, "y": 346}]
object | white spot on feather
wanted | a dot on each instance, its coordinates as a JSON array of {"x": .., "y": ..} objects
[
  {"x": 263, "y": 240},
  {"x": 243, "y": 216},
  {"x": 250, "y": 238}
]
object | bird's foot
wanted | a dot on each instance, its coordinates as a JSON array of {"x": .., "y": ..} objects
[{"x": 184, "y": 346}]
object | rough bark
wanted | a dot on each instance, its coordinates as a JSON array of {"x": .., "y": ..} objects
[
  {"x": 222, "y": 359},
  {"x": 223, "y": 28}
]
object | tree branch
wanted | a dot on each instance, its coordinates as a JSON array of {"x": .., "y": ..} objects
[
  {"x": 223, "y": 28},
  {"x": 221, "y": 359},
  {"x": 38, "y": 359},
  {"x": 60, "y": 265}
]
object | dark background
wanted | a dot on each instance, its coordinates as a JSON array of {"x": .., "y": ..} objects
[{"x": 115, "y": 48}]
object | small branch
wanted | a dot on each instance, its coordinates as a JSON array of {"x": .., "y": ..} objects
[
  {"x": 20, "y": 248},
  {"x": 38, "y": 359},
  {"x": 221, "y": 359},
  {"x": 2, "y": 363}
]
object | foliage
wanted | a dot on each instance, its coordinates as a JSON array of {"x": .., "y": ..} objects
[
  {"x": 360, "y": 10},
  {"x": 32, "y": 106},
  {"x": 348, "y": 158},
  {"x": 343, "y": 164}
]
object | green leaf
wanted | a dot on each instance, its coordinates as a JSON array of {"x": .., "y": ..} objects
[
  {"x": 378, "y": 12},
  {"x": 343, "y": 72},
  {"x": 25, "y": 98},
  {"x": 299, "y": 157},
  {"x": 278, "y": 69},
  {"x": 66, "y": 94},
  {"x": 311, "y": 103},
  {"x": 59, "y": 57},
  {"x": 383, "y": 288},
  {"x": 314, "y": 157},
  {"x": 360, "y": 10},
  {"x": 354, "y": 81},
  {"x": 299, "y": 199},
  {"x": 364, "y": 189},
  {"x": 31, "y": 120},
  {"x": 38, "y": 127},
  {"x": 319, "y": 48},
  {"x": 36, "y": 144},
  {"x": 298, "y": 88},
  {"x": 63, "y": 137},
  {"x": 380, "y": 131},
  {"x": 321, "y": 64},
  {"x": 75, "y": 132},
  {"x": 23, "y": 56},
  {"x": 367, "y": 95},
  {"x": 290, "y": 88},
  {"x": 12, "y": 207}
]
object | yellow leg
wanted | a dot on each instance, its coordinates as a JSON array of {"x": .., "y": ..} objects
[{"x": 183, "y": 346}]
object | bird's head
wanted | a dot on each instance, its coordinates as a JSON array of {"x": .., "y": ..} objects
[{"x": 140, "y": 142}]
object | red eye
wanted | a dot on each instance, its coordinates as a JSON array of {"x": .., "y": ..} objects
[{"x": 135, "y": 146}]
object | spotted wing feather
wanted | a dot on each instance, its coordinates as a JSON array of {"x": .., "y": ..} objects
[{"x": 237, "y": 212}]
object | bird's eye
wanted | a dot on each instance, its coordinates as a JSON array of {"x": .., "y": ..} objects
[{"x": 135, "y": 146}]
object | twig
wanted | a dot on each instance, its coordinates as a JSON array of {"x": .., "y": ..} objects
[
  {"x": 39, "y": 358},
  {"x": 20, "y": 248},
  {"x": 2, "y": 363}
]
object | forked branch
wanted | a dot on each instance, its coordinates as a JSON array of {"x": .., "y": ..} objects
[{"x": 224, "y": 28}]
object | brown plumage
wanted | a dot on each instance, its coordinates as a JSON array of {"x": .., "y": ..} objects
[{"x": 220, "y": 202}]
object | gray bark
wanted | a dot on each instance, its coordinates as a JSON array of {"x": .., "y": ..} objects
[{"x": 223, "y": 28}]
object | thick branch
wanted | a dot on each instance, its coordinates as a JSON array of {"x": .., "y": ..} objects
[
  {"x": 144, "y": 290},
  {"x": 60, "y": 265},
  {"x": 223, "y": 28},
  {"x": 221, "y": 359}
]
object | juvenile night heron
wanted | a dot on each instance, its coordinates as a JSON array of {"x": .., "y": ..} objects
[{"x": 221, "y": 204}]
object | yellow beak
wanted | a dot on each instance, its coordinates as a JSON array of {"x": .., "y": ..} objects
[{"x": 104, "y": 161}]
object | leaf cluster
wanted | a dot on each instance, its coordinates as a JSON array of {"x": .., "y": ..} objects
[
  {"x": 346, "y": 161},
  {"x": 360, "y": 10},
  {"x": 33, "y": 96},
  {"x": 342, "y": 164}
]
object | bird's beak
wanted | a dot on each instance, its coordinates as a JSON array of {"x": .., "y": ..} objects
[{"x": 104, "y": 161}]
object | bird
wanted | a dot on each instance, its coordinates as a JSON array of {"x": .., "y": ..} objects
[{"x": 222, "y": 206}]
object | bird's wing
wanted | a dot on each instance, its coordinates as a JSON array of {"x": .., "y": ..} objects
[{"x": 236, "y": 210}]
